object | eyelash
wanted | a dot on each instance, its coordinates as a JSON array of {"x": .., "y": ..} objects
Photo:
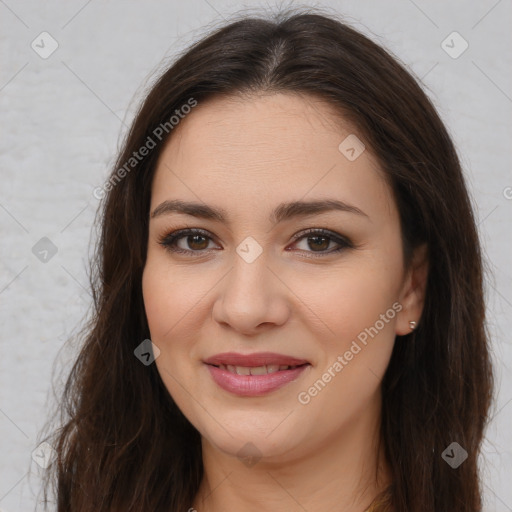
[{"x": 168, "y": 241}]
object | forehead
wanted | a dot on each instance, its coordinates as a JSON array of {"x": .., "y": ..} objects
[{"x": 249, "y": 152}]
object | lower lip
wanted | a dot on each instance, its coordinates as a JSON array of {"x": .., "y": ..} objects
[{"x": 254, "y": 385}]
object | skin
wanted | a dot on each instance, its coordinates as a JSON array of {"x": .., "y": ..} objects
[{"x": 247, "y": 155}]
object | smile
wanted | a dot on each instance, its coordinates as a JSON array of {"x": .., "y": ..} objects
[
  {"x": 254, "y": 374},
  {"x": 255, "y": 370}
]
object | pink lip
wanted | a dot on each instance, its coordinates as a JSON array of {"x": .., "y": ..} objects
[{"x": 254, "y": 385}]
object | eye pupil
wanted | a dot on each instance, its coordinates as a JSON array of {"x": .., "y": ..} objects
[
  {"x": 320, "y": 245},
  {"x": 194, "y": 238}
]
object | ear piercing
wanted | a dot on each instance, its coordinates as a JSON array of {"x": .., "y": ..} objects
[{"x": 412, "y": 325}]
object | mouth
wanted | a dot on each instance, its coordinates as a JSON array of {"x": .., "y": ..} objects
[
  {"x": 257, "y": 370},
  {"x": 254, "y": 374}
]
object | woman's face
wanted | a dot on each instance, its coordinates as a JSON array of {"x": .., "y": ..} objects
[{"x": 326, "y": 305}]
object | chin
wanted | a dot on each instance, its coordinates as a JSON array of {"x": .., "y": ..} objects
[{"x": 248, "y": 441}]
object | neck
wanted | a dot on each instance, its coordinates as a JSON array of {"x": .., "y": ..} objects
[{"x": 343, "y": 473}]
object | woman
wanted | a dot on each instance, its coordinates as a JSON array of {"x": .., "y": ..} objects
[{"x": 288, "y": 223}]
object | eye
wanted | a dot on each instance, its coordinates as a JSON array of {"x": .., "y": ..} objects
[
  {"x": 320, "y": 240},
  {"x": 195, "y": 239},
  {"x": 198, "y": 241}
]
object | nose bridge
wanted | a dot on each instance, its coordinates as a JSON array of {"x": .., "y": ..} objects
[
  {"x": 250, "y": 273},
  {"x": 251, "y": 293},
  {"x": 248, "y": 284}
]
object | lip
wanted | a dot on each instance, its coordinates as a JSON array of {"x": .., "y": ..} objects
[
  {"x": 254, "y": 385},
  {"x": 255, "y": 359}
]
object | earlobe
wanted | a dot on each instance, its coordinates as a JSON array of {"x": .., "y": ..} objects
[{"x": 412, "y": 296}]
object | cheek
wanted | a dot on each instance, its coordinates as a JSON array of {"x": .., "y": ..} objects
[
  {"x": 167, "y": 304},
  {"x": 353, "y": 362},
  {"x": 174, "y": 300},
  {"x": 166, "y": 311},
  {"x": 358, "y": 304},
  {"x": 349, "y": 298},
  {"x": 170, "y": 297},
  {"x": 364, "y": 324}
]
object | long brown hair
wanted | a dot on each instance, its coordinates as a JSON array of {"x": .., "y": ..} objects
[{"x": 123, "y": 443}]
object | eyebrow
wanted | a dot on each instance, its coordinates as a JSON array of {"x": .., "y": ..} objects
[{"x": 282, "y": 212}]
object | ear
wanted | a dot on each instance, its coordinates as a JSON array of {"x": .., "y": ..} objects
[{"x": 412, "y": 294}]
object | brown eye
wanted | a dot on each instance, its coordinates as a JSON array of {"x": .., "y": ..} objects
[
  {"x": 319, "y": 240},
  {"x": 195, "y": 241}
]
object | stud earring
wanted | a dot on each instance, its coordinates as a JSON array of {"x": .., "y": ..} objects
[{"x": 412, "y": 325}]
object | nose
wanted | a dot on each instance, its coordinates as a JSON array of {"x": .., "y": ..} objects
[{"x": 251, "y": 298}]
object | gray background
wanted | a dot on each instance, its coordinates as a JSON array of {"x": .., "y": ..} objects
[{"x": 62, "y": 121}]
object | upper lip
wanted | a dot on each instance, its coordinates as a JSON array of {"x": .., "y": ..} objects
[{"x": 255, "y": 359}]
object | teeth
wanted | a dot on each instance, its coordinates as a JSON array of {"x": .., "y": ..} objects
[
  {"x": 259, "y": 370},
  {"x": 255, "y": 370}
]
